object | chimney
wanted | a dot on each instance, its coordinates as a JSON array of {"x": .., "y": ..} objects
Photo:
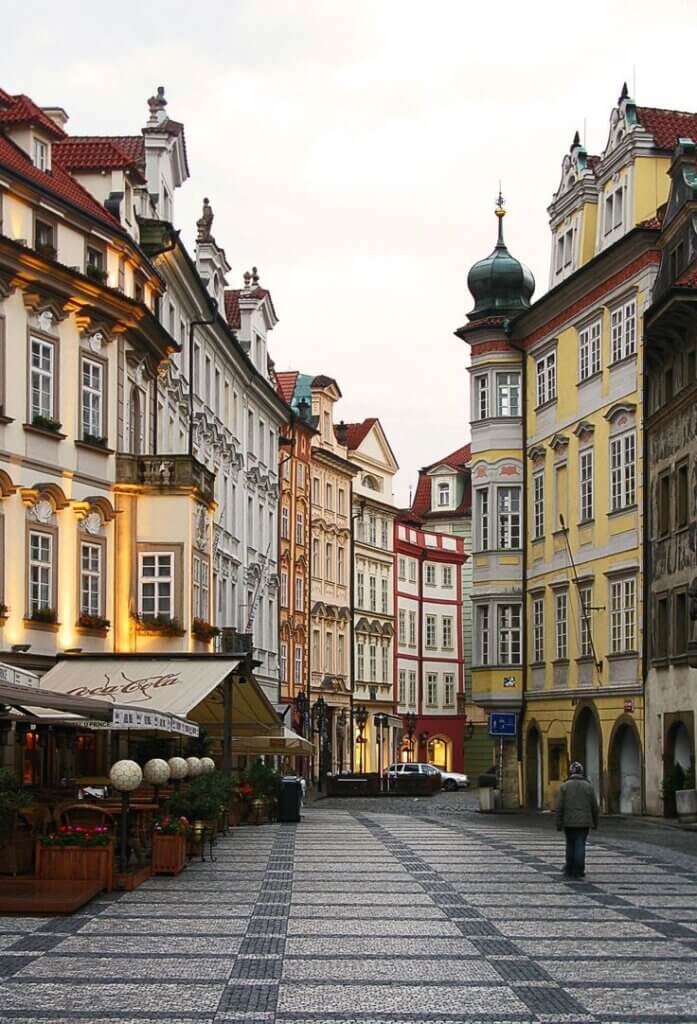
[
  {"x": 57, "y": 115},
  {"x": 341, "y": 432},
  {"x": 303, "y": 410}
]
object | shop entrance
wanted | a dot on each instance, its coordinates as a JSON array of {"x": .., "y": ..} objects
[{"x": 625, "y": 770}]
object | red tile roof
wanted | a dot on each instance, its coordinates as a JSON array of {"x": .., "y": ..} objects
[
  {"x": 357, "y": 432},
  {"x": 688, "y": 279},
  {"x": 20, "y": 110},
  {"x": 57, "y": 182},
  {"x": 285, "y": 384},
  {"x": 232, "y": 307},
  {"x": 421, "y": 504},
  {"x": 97, "y": 153},
  {"x": 651, "y": 224},
  {"x": 667, "y": 126}
]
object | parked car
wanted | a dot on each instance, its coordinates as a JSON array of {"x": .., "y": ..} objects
[
  {"x": 450, "y": 781},
  {"x": 403, "y": 768},
  {"x": 454, "y": 780}
]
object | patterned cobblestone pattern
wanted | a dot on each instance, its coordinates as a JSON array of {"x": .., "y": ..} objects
[{"x": 372, "y": 918}]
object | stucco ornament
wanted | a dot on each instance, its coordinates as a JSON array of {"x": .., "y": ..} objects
[
  {"x": 42, "y": 510},
  {"x": 195, "y": 767},
  {"x": 156, "y": 771},
  {"x": 208, "y": 765},
  {"x": 93, "y": 523},
  {"x": 178, "y": 768},
  {"x": 125, "y": 776}
]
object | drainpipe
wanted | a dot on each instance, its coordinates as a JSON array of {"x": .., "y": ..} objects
[{"x": 646, "y": 556}]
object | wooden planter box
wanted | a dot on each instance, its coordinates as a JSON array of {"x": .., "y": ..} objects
[
  {"x": 76, "y": 864},
  {"x": 168, "y": 854}
]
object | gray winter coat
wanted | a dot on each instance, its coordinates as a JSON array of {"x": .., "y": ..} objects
[{"x": 577, "y": 806}]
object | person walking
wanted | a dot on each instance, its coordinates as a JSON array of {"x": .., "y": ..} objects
[{"x": 577, "y": 811}]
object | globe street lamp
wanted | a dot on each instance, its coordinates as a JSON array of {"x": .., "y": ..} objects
[
  {"x": 125, "y": 776},
  {"x": 411, "y": 729},
  {"x": 319, "y": 713},
  {"x": 360, "y": 714}
]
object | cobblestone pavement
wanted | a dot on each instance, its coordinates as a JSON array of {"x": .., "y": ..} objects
[{"x": 367, "y": 917}]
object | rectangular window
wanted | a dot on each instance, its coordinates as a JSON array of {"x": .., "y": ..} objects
[
  {"x": 547, "y": 378},
  {"x": 329, "y": 496},
  {"x": 680, "y": 624},
  {"x": 300, "y": 475},
  {"x": 483, "y": 503},
  {"x": 384, "y": 533},
  {"x": 340, "y": 565},
  {"x": 40, "y": 155},
  {"x": 449, "y": 690},
  {"x": 662, "y": 628},
  {"x": 483, "y": 634},
  {"x": 589, "y": 341},
  {"x": 340, "y": 665},
  {"x": 372, "y": 530},
  {"x": 156, "y": 585},
  {"x": 412, "y": 629},
  {"x": 284, "y": 661},
  {"x": 538, "y": 504},
  {"x": 40, "y": 572},
  {"x": 284, "y": 590},
  {"x": 585, "y": 600},
  {"x": 443, "y": 495},
  {"x": 199, "y": 587},
  {"x": 298, "y": 665},
  {"x": 402, "y": 686},
  {"x": 412, "y": 689},
  {"x": 585, "y": 470},
  {"x": 402, "y": 568},
  {"x": 42, "y": 379},
  {"x": 447, "y": 630},
  {"x": 360, "y": 589},
  {"x": 613, "y": 210},
  {"x": 431, "y": 689},
  {"x": 682, "y": 497},
  {"x": 430, "y": 631},
  {"x": 538, "y": 630},
  {"x": 299, "y": 528},
  {"x": 623, "y": 331},
  {"x": 373, "y": 663},
  {"x": 360, "y": 661},
  {"x": 509, "y": 634},
  {"x": 373, "y": 592},
  {"x": 44, "y": 238},
  {"x": 561, "y": 648},
  {"x": 342, "y": 502},
  {"x": 92, "y": 400},
  {"x": 299, "y": 594},
  {"x": 385, "y": 659},
  {"x": 430, "y": 575},
  {"x": 285, "y": 528},
  {"x": 622, "y": 616},
  {"x": 447, "y": 576},
  {"x": 402, "y": 618},
  {"x": 481, "y": 390},
  {"x": 315, "y": 649},
  {"x": 90, "y": 579},
  {"x": 328, "y": 653},
  {"x": 508, "y": 394},
  {"x": 412, "y": 571},
  {"x": 315, "y": 490},
  {"x": 623, "y": 471},
  {"x": 509, "y": 517},
  {"x": 384, "y": 596},
  {"x": 664, "y": 509},
  {"x": 328, "y": 562}
]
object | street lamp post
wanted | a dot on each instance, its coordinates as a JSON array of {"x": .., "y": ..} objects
[
  {"x": 411, "y": 729},
  {"x": 319, "y": 711},
  {"x": 341, "y": 736},
  {"x": 380, "y": 721},
  {"x": 360, "y": 714}
]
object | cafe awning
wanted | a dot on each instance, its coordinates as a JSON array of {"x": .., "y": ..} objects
[{"x": 288, "y": 742}]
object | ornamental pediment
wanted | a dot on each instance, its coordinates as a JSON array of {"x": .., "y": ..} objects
[
  {"x": 584, "y": 430},
  {"x": 559, "y": 443},
  {"x": 537, "y": 454}
]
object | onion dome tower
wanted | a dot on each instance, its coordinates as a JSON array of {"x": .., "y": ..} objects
[{"x": 501, "y": 285}]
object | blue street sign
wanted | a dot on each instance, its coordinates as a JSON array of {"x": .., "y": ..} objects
[{"x": 503, "y": 723}]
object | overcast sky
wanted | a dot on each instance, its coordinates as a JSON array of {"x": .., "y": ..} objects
[{"x": 352, "y": 151}]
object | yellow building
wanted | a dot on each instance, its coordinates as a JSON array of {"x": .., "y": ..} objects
[{"x": 557, "y": 471}]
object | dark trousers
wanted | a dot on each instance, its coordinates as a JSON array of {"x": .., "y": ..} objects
[{"x": 576, "y": 851}]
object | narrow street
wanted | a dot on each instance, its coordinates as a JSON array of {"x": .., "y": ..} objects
[{"x": 365, "y": 916}]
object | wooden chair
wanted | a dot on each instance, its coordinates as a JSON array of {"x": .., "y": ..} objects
[{"x": 82, "y": 814}]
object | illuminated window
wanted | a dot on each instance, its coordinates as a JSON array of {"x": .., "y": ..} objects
[
  {"x": 156, "y": 585},
  {"x": 92, "y": 400},
  {"x": 90, "y": 579},
  {"x": 42, "y": 379},
  {"x": 40, "y": 572}
]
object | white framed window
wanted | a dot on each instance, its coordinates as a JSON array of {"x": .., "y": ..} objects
[
  {"x": 300, "y": 475},
  {"x": 481, "y": 394},
  {"x": 384, "y": 596},
  {"x": 329, "y": 496},
  {"x": 412, "y": 629},
  {"x": 372, "y": 530},
  {"x": 284, "y": 590},
  {"x": 449, "y": 690},
  {"x": 284, "y": 661},
  {"x": 156, "y": 584},
  {"x": 200, "y": 588},
  {"x": 299, "y": 594},
  {"x": 373, "y": 593},
  {"x": 508, "y": 394},
  {"x": 585, "y": 471},
  {"x": 340, "y": 557},
  {"x": 42, "y": 379},
  {"x": 565, "y": 250},
  {"x": 447, "y": 576},
  {"x": 385, "y": 659},
  {"x": 622, "y": 615},
  {"x": 623, "y": 330},
  {"x": 538, "y": 630},
  {"x": 372, "y": 663},
  {"x": 342, "y": 502},
  {"x": 90, "y": 578},
  {"x": 623, "y": 471},
  {"x": 432, "y": 689},
  {"x": 360, "y": 589},
  {"x": 589, "y": 350},
  {"x": 92, "y": 398},
  {"x": 360, "y": 660},
  {"x": 40, "y": 571},
  {"x": 546, "y": 375},
  {"x": 561, "y": 633},
  {"x": 299, "y": 681},
  {"x": 299, "y": 528},
  {"x": 328, "y": 562},
  {"x": 585, "y": 600},
  {"x": 285, "y": 528},
  {"x": 430, "y": 630},
  {"x": 614, "y": 210},
  {"x": 430, "y": 575},
  {"x": 402, "y": 620},
  {"x": 402, "y": 568},
  {"x": 328, "y": 653},
  {"x": 483, "y": 517},
  {"x": 538, "y": 505},
  {"x": 40, "y": 155},
  {"x": 402, "y": 698},
  {"x": 509, "y": 634},
  {"x": 412, "y": 571},
  {"x": 384, "y": 533},
  {"x": 315, "y": 558},
  {"x": 483, "y": 633},
  {"x": 447, "y": 631},
  {"x": 412, "y": 689},
  {"x": 509, "y": 517},
  {"x": 340, "y": 661},
  {"x": 443, "y": 495}
]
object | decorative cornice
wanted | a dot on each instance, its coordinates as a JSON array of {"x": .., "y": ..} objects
[
  {"x": 559, "y": 441},
  {"x": 584, "y": 427}
]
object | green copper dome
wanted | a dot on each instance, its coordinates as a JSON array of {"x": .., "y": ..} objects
[{"x": 501, "y": 285}]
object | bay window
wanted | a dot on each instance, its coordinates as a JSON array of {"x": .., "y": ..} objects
[
  {"x": 508, "y": 394},
  {"x": 509, "y": 634},
  {"x": 509, "y": 517},
  {"x": 483, "y": 633},
  {"x": 156, "y": 585},
  {"x": 481, "y": 394}
]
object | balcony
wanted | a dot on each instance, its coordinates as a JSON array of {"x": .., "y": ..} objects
[{"x": 166, "y": 474}]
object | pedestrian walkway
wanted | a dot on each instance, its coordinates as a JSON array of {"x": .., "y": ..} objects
[{"x": 371, "y": 918}]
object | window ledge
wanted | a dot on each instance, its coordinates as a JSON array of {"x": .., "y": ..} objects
[
  {"x": 560, "y": 661},
  {"x": 623, "y": 361},
  {"x": 92, "y": 630},
  {"x": 538, "y": 664},
  {"x": 679, "y": 659},
  {"x": 55, "y": 435},
  {"x": 593, "y": 376},
  {"x": 4, "y": 420},
  {"x": 46, "y": 627},
  {"x": 538, "y": 540},
  {"x": 585, "y": 522},
  {"x": 622, "y": 655},
  {"x": 585, "y": 659},
  {"x": 99, "y": 448},
  {"x": 661, "y": 662},
  {"x": 546, "y": 405},
  {"x": 622, "y": 511}
]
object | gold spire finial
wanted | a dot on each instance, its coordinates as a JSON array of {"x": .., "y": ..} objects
[{"x": 500, "y": 210}]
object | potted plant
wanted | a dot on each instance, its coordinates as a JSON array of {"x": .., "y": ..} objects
[
  {"x": 164, "y": 625},
  {"x": 16, "y": 838},
  {"x": 203, "y": 631},
  {"x": 200, "y": 804},
  {"x": 4, "y": 610},
  {"x": 96, "y": 273},
  {"x": 94, "y": 439},
  {"x": 169, "y": 845},
  {"x": 77, "y": 853},
  {"x": 686, "y": 797},
  {"x": 266, "y": 785},
  {"x": 46, "y": 423},
  {"x": 43, "y": 615},
  {"x": 46, "y": 250},
  {"x": 93, "y": 621}
]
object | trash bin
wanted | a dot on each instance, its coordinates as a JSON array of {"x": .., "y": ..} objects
[{"x": 290, "y": 798}]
